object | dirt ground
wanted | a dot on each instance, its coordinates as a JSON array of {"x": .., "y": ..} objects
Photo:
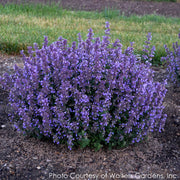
[
  {"x": 126, "y": 7},
  {"x": 157, "y": 158}
]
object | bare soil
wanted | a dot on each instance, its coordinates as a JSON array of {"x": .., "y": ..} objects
[
  {"x": 126, "y": 7},
  {"x": 22, "y": 157}
]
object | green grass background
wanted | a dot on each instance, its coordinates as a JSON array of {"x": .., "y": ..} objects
[{"x": 22, "y": 25}]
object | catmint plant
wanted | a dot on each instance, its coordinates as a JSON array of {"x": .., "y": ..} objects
[
  {"x": 89, "y": 93},
  {"x": 172, "y": 61},
  {"x": 148, "y": 52}
]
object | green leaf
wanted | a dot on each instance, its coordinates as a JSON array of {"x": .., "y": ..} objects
[
  {"x": 84, "y": 142},
  {"x": 98, "y": 146}
]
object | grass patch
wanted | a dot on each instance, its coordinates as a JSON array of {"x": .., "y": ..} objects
[{"x": 23, "y": 25}]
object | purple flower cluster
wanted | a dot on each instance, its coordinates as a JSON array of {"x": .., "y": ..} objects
[
  {"x": 172, "y": 61},
  {"x": 91, "y": 92},
  {"x": 148, "y": 52}
]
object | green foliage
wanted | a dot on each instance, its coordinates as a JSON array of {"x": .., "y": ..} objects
[
  {"x": 84, "y": 142},
  {"x": 111, "y": 13}
]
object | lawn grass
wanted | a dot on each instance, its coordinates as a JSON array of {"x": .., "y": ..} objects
[{"x": 23, "y": 25}]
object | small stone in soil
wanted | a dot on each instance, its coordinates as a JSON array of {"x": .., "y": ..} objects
[
  {"x": 35, "y": 158},
  {"x": 38, "y": 167}
]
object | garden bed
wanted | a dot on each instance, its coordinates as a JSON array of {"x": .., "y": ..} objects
[{"x": 24, "y": 157}]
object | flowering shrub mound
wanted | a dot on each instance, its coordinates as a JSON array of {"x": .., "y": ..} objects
[
  {"x": 89, "y": 94},
  {"x": 172, "y": 61}
]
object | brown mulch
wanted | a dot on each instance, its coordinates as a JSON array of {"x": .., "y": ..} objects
[{"x": 157, "y": 158}]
